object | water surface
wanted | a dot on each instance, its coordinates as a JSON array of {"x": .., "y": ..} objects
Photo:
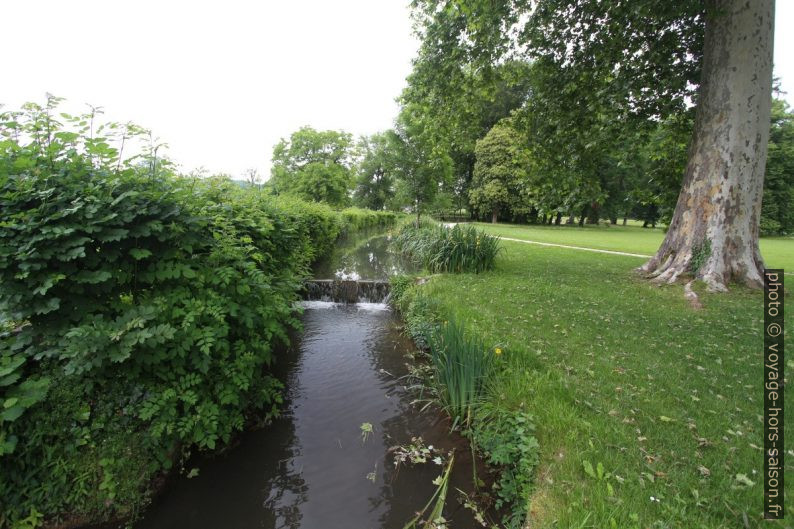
[{"x": 312, "y": 468}]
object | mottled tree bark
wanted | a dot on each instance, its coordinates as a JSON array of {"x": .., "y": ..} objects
[{"x": 720, "y": 199}]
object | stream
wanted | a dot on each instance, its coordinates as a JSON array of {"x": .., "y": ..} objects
[{"x": 312, "y": 467}]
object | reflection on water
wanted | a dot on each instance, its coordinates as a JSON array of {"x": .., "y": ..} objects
[
  {"x": 363, "y": 257},
  {"x": 310, "y": 468}
]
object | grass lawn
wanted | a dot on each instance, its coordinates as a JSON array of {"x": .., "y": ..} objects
[
  {"x": 778, "y": 252},
  {"x": 662, "y": 401}
]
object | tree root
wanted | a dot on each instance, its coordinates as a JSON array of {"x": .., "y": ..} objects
[{"x": 691, "y": 296}]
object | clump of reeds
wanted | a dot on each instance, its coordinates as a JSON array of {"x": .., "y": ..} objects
[
  {"x": 460, "y": 368},
  {"x": 441, "y": 249}
]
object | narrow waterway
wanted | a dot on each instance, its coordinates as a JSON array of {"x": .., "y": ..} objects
[{"x": 313, "y": 467}]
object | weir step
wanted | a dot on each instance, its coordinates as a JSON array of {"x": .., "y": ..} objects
[{"x": 346, "y": 291}]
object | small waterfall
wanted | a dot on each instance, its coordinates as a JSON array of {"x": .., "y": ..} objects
[{"x": 346, "y": 291}]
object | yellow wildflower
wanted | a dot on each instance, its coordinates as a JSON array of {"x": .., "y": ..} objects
[{"x": 497, "y": 351}]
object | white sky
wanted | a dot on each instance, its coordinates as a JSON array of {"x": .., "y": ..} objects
[{"x": 222, "y": 82}]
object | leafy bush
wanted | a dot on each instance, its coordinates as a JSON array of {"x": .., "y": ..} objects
[
  {"x": 457, "y": 249},
  {"x": 507, "y": 440},
  {"x": 139, "y": 311},
  {"x": 419, "y": 312},
  {"x": 355, "y": 219}
]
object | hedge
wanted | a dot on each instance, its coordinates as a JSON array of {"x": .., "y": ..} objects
[{"x": 139, "y": 316}]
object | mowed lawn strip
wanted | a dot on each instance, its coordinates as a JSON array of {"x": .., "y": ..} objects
[
  {"x": 664, "y": 403},
  {"x": 778, "y": 252}
]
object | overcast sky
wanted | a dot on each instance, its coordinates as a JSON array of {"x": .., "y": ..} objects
[{"x": 222, "y": 82}]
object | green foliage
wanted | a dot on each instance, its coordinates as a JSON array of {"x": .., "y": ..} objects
[
  {"x": 507, "y": 439},
  {"x": 700, "y": 254},
  {"x": 419, "y": 168},
  {"x": 461, "y": 365},
  {"x": 375, "y": 172},
  {"x": 777, "y": 210},
  {"x": 500, "y": 172},
  {"x": 457, "y": 249},
  {"x": 142, "y": 312},
  {"x": 419, "y": 312},
  {"x": 464, "y": 376},
  {"x": 314, "y": 165},
  {"x": 354, "y": 219}
]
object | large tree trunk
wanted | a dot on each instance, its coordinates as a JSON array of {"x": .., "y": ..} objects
[{"x": 720, "y": 200}]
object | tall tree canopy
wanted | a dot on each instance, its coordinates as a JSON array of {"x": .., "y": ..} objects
[
  {"x": 777, "y": 213},
  {"x": 314, "y": 165},
  {"x": 500, "y": 172},
  {"x": 463, "y": 103},
  {"x": 421, "y": 168},
  {"x": 375, "y": 171},
  {"x": 600, "y": 67}
]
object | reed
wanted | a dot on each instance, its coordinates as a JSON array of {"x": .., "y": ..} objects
[
  {"x": 442, "y": 249},
  {"x": 460, "y": 367}
]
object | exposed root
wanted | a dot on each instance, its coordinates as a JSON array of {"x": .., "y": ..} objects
[
  {"x": 691, "y": 296},
  {"x": 714, "y": 283}
]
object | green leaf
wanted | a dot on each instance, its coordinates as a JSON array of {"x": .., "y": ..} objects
[
  {"x": 140, "y": 253},
  {"x": 588, "y": 469},
  {"x": 12, "y": 414}
]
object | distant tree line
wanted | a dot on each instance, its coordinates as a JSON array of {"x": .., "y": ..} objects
[{"x": 494, "y": 171}]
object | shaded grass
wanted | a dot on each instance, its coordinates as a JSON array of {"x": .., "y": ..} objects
[
  {"x": 778, "y": 252},
  {"x": 626, "y": 381}
]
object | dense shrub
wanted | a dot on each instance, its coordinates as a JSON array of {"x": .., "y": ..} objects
[
  {"x": 139, "y": 311},
  {"x": 361, "y": 219},
  {"x": 441, "y": 249},
  {"x": 507, "y": 441}
]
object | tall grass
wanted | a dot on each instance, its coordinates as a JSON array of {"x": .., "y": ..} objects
[
  {"x": 441, "y": 249},
  {"x": 460, "y": 368}
]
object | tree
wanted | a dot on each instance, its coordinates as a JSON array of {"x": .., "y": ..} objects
[
  {"x": 499, "y": 172},
  {"x": 374, "y": 171},
  {"x": 252, "y": 177},
  {"x": 463, "y": 103},
  {"x": 419, "y": 168},
  {"x": 643, "y": 60},
  {"x": 777, "y": 213},
  {"x": 314, "y": 165},
  {"x": 720, "y": 202}
]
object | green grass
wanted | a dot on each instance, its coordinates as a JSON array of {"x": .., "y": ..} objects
[
  {"x": 635, "y": 395},
  {"x": 778, "y": 252}
]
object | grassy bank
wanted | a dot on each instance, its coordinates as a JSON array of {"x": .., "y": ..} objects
[
  {"x": 647, "y": 412},
  {"x": 778, "y": 252}
]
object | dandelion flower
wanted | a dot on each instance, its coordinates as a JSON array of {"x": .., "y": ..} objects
[{"x": 498, "y": 351}]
